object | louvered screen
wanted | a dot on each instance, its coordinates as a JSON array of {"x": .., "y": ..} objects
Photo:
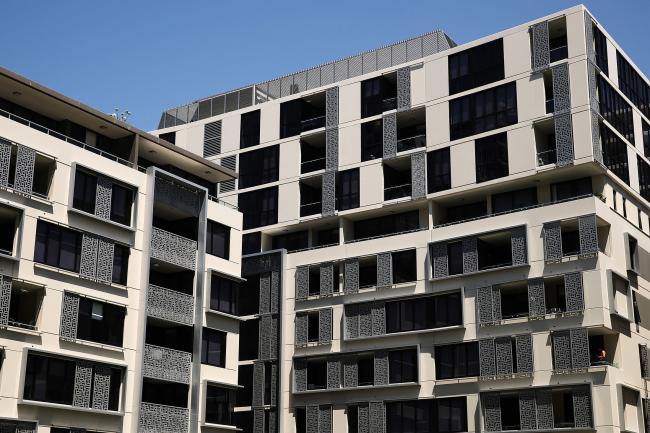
[
  {"x": 231, "y": 163},
  {"x": 212, "y": 139}
]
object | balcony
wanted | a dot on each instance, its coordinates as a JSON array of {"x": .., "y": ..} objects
[
  {"x": 157, "y": 418},
  {"x": 312, "y": 123},
  {"x": 27, "y": 172},
  {"x": 172, "y": 248},
  {"x": 557, "y": 40},
  {"x": 545, "y": 143},
  {"x": 10, "y": 218},
  {"x": 311, "y": 196},
  {"x": 303, "y": 114},
  {"x": 378, "y": 95},
  {"x": 411, "y": 129},
  {"x": 312, "y": 152},
  {"x": 397, "y": 178},
  {"x": 167, "y": 364},
  {"x": 170, "y": 305}
]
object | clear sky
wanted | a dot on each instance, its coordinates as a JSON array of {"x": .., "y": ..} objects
[{"x": 150, "y": 55}]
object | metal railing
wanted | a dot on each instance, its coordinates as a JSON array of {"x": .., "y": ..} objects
[
  {"x": 158, "y": 418},
  {"x": 167, "y": 364},
  {"x": 398, "y": 191},
  {"x": 312, "y": 123},
  {"x": 411, "y": 142},
  {"x": 221, "y": 202},
  {"x": 172, "y": 248},
  {"x": 546, "y": 157},
  {"x": 558, "y": 53},
  {"x": 63, "y": 137},
  {"x": 170, "y": 305},
  {"x": 312, "y": 165},
  {"x": 389, "y": 104},
  {"x": 311, "y": 208}
]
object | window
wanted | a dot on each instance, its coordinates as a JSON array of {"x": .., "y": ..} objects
[
  {"x": 327, "y": 237},
  {"x": 600, "y": 44},
  {"x": 645, "y": 127},
  {"x": 85, "y": 189},
  {"x": 644, "y": 178},
  {"x": 443, "y": 415},
  {"x": 387, "y": 225},
  {"x": 249, "y": 339},
  {"x": 347, "y": 189},
  {"x": 633, "y": 85},
  {"x": 615, "y": 109},
  {"x": 251, "y": 243},
  {"x": 378, "y": 95},
  {"x": 301, "y": 420},
  {"x": 438, "y": 170},
  {"x": 313, "y": 327},
  {"x": 491, "y": 157},
  {"x": 291, "y": 241},
  {"x": 402, "y": 366},
  {"x": 245, "y": 381},
  {"x": 249, "y": 133},
  {"x": 404, "y": 266},
  {"x": 455, "y": 257},
  {"x": 258, "y": 167},
  {"x": 510, "y": 418},
  {"x": 120, "y": 264},
  {"x": 372, "y": 140},
  {"x": 57, "y": 246},
  {"x": 100, "y": 322},
  {"x": 260, "y": 208},
  {"x": 169, "y": 137},
  {"x": 614, "y": 153},
  {"x": 466, "y": 211},
  {"x": 218, "y": 405},
  {"x": 483, "y": 111},
  {"x": 423, "y": 313},
  {"x": 217, "y": 242},
  {"x": 476, "y": 67},
  {"x": 457, "y": 360},
  {"x": 301, "y": 115},
  {"x": 366, "y": 370},
  {"x": 353, "y": 418},
  {"x": 571, "y": 189},
  {"x": 512, "y": 200},
  {"x": 213, "y": 347},
  {"x": 121, "y": 204},
  {"x": 317, "y": 375},
  {"x": 223, "y": 294}
]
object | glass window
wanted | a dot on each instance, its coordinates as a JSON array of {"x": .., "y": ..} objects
[
  {"x": 372, "y": 140},
  {"x": 476, "y": 67},
  {"x": 404, "y": 266},
  {"x": 101, "y": 322},
  {"x": 251, "y": 243},
  {"x": 423, "y": 313},
  {"x": 600, "y": 45},
  {"x": 633, "y": 85},
  {"x": 218, "y": 405},
  {"x": 121, "y": 264},
  {"x": 645, "y": 128},
  {"x": 258, "y": 167},
  {"x": 85, "y": 189},
  {"x": 615, "y": 109},
  {"x": 250, "y": 129},
  {"x": 491, "y": 157},
  {"x": 571, "y": 189},
  {"x": 366, "y": 370},
  {"x": 121, "y": 204},
  {"x": 378, "y": 95},
  {"x": 614, "y": 153},
  {"x": 223, "y": 294},
  {"x": 217, "y": 241},
  {"x": 644, "y": 179},
  {"x": 57, "y": 246},
  {"x": 260, "y": 207},
  {"x": 291, "y": 241},
  {"x": 455, "y": 257},
  {"x": 443, "y": 415},
  {"x": 438, "y": 170},
  {"x": 301, "y": 420},
  {"x": 512, "y": 200},
  {"x": 402, "y": 366},
  {"x": 387, "y": 225},
  {"x": 347, "y": 189},
  {"x": 353, "y": 418},
  {"x": 457, "y": 360},
  {"x": 49, "y": 379},
  {"x": 213, "y": 348},
  {"x": 317, "y": 375}
]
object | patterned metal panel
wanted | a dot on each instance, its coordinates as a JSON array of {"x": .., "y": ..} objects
[
  {"x": 561, "y": 350},
  {"x": 302, "y": 282},
  {"x": 418, "y": 175},
  {"x": 413, "y": 49},
  {"x": 5, "y": 162},
  {"x": 166, "y": 364},
  {"x": 552, "y": 241},
  {"x": 352, "y": 321},
  {"x": 589, "y": 37},
  {"x": 332, "y": 107},
  {"x": 365, "y": 320},
  {"x": 333, "y": 374},
  {"x": 643, "y": 359},
  {"x": 5, "y": 299},
  {"x": 564, "y": 139},
  {"x": 561, "y": 89},
  {"x": 332, "y": 148},
  {"x": 274, "y": 384},
  {"x": 588, "y": 233},
  {"x": 470, "y": 255},
  {"x": 363, "y": 416},
  {"x": 172, "y": 248},
  {"x": 312, "y": 415},
  {"x": 267, "y": 336},
  {"x": 496, "y": 303},
  {"x": 484, "y": 305},
  {"x": 527, "y": 409},
  {"x": 69, "y": 316},
  {"x": 355, "y": 66},
  {"x": 258, "y": 420},
  {"x": 524, "y": 348},
  {"x": 381, "y": 367},
  {"x": 340, "y": 70},
  {"x": 325, "y": 419},
  {"x": 369, "y": 62},
  {"x": 350, "y": 373},
  {"x": 156, "y": 418},
  {"x": 328, "y": 193},
  {"x": 326, "y": 273},
  {"x": 313, "y": 78},
  {"x": 325, "y": 326},
  {"x": 573, "y": 292},
  {"x": 487, "y": 356},
  {"x": 384, "y": 270},
  {"x": 439, "y": 259},
  {"x": 83, "y": 379},
  {"x": 592, "y": 82},
  {"x": 519, "y": 246},
  {"x": 389, "y": 128},
  {"x": 302, "y": 329},
  {"x": 582, "y": 407},
  {"x": 384, "y": 58},
  {"x": 170, "y": 305},
  {"x": 491, "y": 412},
  {"x": 24, "y": 174},
  {"x": 403, "y": 89},
  {"x": 265, "y": 293},
  {"x": 103, "y": 197},
  {"x": 88, "y": 261},
  {"x": 300, "y": 375},
  {"x": 105, "y": 257},
  {"x": 544, "y": 404},
  {"x": 503, "y": 355},
  {"x": 646, "y": 414},
  {"x": 536, "y": 297},
  {"x": 351, "y": 276},
  {"x": 378, "y": 318},
  {"x": 579, "y": 348},
  {"x": 300, "y": 82},
  {"x": 177, "y": 196},
  {"x": 258, "y": 384},
  {"x": 399, "y": 53},
  {"x": 101, "y": 387},
  {"x": 376, "y": 415},
  {"x": 597, "y": 148},
  {"x": 541, "y": 51},
  {"x": 275, "y": 291}
]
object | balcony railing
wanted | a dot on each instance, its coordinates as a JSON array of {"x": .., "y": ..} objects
[
  {"x": 170, "y": 305},
  {"x": 172, "y": 248},
  {"x": 158, "y": 418},
  {"x": 313, "y": 123},
  {"x": 311, "y": 208},
  {"x": 546, "y": 157},
  {"x": 389, "y": 104},
  {"x": 398, "y": 191},
  {"x": 312, "y": 165},
  {"x": 411, "y": 142},
  {"x": 558, "y": 53},
  {"x": 167, "y": 364}
]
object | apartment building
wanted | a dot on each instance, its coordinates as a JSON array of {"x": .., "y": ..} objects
[
  {"x": 116, "y": 274},
  {"x": 439, "y": 237}
]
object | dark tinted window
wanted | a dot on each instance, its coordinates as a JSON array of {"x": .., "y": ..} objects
[
  {"x": 404, "y": 266},
  {"x": 377, "y": 95},
  {"x": 248, "y": 339},
  {"x": 57, "y": 246},
  {"x": 251, "y": 243},
  {"x": 223, "y": 294},
  {"x": 213, "y": 348},
  {"x": 512, "y": 200},
  {"x": 615, "y": 110},
  {"x": 372, "y": 138},
  {"x": 121, "y": 204},
  {"x": 402, "y": 366},
  {"x": 386, "y": 225},
  {"x": 457, "y": 360},
  {"x": 169, "y": 136},
  {"x": 466, "y": 211},
  {"x": 614, "y": 153},
  {"x": 476, "y": 67},
  {"x": 250, "y": 129},
  {"x": 49, "y": 379},
  {"x": 347, "y": 189},
  {"x": 121, "y": 264},
  {"x": 645, "y": 128},
  {"x": 353, "y": 418},
  {"x": 600, "y": 45},
  {"x": 317, "y": 375},
  {"x": 491, "y": 157},
  {"x": 445, "y": 415},
  {"x": 218, "y": 405},
  {"x": 260, "y": 208},
  {"x": 423, "y": 313},
  {"x": 85, "y": 190},
  {"x": 455, "y": 257},
  {"x": 633, "y": 85},
  {"x": 100, "y": 322},
  {"x": 438, "y": 170},
  {"x": 301, "y": 420},
  {"x": 291, "y": 241},
  {"x": 483, "y": 111},
  {"x": 245, "y": 381},
  {"x": 570, "y": 189},
  {"x": 258, "y": 167},
  {"x": 217, "y": 241},
  {"x": 644, "y": 177}
]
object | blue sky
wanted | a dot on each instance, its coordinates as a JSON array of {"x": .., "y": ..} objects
[{"x": 149, "y": 55}]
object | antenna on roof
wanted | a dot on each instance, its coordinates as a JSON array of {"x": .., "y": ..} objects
[{"x": 123, "y": 116}]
